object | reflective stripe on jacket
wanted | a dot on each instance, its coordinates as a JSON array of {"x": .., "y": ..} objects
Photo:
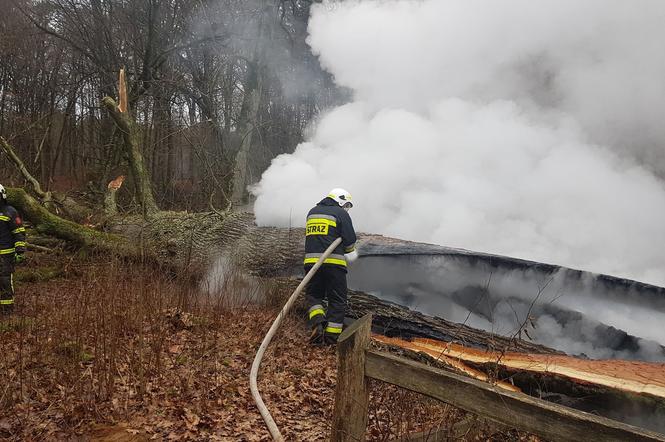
[
  {"x": 12, "y": 232},
  {"x": 326, "y": 222}
]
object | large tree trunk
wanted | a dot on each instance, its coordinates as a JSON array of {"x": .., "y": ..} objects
[
  {"x": 132, "y": 140},
  {"x": 248, "y": 121},
  {"x": 247, "y": 127}
]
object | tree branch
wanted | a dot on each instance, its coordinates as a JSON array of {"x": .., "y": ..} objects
[
  {"x": 53, "y": 33},
  {"x": 11, "y": 153},
  {"x": 47, "y": 223}
]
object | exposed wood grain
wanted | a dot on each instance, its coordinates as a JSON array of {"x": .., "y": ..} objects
[{"x": 516, "y": 410}]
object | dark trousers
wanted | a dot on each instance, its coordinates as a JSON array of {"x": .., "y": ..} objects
[
  {"x": 6, "y": 283},
  {"x": 328, "y": 283}
]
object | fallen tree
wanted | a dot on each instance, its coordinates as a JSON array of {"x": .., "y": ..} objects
[
  {"x": 176, "y": 240},
  {"x": 192, "y": 241},
  {"x": 184, "y": 240},
  {"x": 57, "y": 202},
  {"x": 46, "y": 222}
]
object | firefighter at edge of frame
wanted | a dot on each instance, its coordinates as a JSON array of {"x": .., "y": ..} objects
[
  {"x": 12, "y": 251},
  {"x": 326, "y": 222}
]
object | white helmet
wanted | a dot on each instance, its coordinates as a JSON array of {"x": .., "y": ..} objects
[
  {"x": 342, "y": 197},
  {"x": 3, "y": 193}
]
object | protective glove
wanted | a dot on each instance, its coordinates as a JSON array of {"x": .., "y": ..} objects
[
  {"x": 351, "y": 256},
  {"x": 19, "y": 258}
]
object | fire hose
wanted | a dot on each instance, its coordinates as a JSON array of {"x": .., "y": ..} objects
[{"x": 253, "y": 374}]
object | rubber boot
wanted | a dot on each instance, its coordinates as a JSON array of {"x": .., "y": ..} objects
[
  {"x": 330, "y": 338},
  {"x": 317, "y": 336}
]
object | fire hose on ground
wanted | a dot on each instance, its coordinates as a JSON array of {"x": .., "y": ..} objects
[{"x": 253, "y": 374}]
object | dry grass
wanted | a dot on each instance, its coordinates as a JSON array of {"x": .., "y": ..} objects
[
  {"x": 112, "y": 341},
  {"x": 130, "y": 352}
]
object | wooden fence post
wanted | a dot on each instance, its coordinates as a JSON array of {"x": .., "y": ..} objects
[{"x": 351, "y": 396}]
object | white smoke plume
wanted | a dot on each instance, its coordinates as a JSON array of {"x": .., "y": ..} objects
[{"x": 522, "y": 128}]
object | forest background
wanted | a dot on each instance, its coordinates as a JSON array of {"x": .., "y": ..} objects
[{"x": 218, "y": 88}]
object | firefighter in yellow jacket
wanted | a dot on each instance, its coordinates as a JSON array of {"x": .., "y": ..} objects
[
  {"x": 12, "y": 249},
  {"x": 326, "y": 222}
]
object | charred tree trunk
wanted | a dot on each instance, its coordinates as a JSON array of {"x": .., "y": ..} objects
[{"x": 393, "y": 320}]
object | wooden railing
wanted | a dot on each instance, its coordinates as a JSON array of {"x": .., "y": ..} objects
[{"x": 357, "y": 363}]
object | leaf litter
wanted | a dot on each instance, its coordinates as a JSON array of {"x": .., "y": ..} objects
[{"x": 114, "y": 353}]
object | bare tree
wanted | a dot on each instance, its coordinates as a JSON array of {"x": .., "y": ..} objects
[{"x": 216, "y": 89}]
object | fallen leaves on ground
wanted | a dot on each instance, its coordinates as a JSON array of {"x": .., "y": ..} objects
[{"x": 118, "y": 354}]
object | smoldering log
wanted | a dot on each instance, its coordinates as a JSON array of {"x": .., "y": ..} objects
[{"x": 393, "y": 320}]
